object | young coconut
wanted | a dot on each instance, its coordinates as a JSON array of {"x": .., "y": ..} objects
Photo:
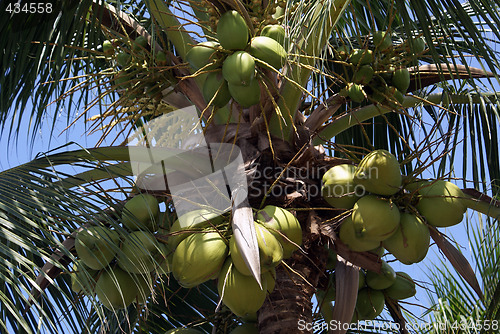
[
  {"x": 116, "y": 288},
  {"x": 382, "y": 40},
  {"x": 240, "y": 293},
  {"x": 403, "y": 287},
  {"x": 215, "y": 89},
  {"x": 270, "y": 278},
  {"x": 239, "y": 68},
  {"x": 141, "y": 212},
  {"x": 375, "y": 218},
  {"x": 410, "y": 243},
  {"x": 274, "y": 31},
  {"x": 190, "y": 222},
  {"x": 96, "y": 246},
  {"x": 202, "y": 54},
  {"x": 441, "y": 204},
  {"x": 370, "y": 303},
  {"x": 338, "y": 186},
  {"x": 232, "y": 31},
  {"x": 246, "y": 96},
  {"x": 356, "y": 93},
  {"x": 139, "y": 253},
  {"x": 269, "y": 51},
  {"x": 280, "y": 221},
  {"x": 361, "y": 57},
  {"x": 381, "y": 281},
  {"x": 198, "y": 258},
  {"x": 358, "y": 244},
  {"x": 363, "y": 75},
  {"x": 379, "y": 173},
  {"x": 270, "y": 251},
  {"x": 401, "y": 80}
]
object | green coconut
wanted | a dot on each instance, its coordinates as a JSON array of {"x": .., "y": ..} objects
[
  {"x": 363, "y": 75},
  {"x": 379, "y": 173},
  {"x": 246, "y": 96},
  {"x": 83, "y": 279},
  {"x": 239, "y": 68},
  {"x": 139, "y": 43},
  {"x": 382, "y": 40},
  {"x": 381, "y": 281},
  {"x": 240, "y": 293},
  {"x": 358, "y": 244},
  {"x": 107, "y": 47},
  {"x": 140, "y": 253},
  {"x": 403, "y": 287},
  {"x": 270, "y": 251},
  {"x": 401, "y": 80},
  {"x": 370, "y": 303},
  {"x": 123, "y": 59},
  {"x": 356, "y": 93},
  {"x": 195, "y": 220},
  {"x": 116, "y": 289},
  {"x": 361, "y": 57},
  {"x": 268, "y": 50},
  {"x": 141, "y": 212},
  {"x": 232, "y": 31},
  {"x": 198, "y": 258},
  {"x": 343, "y": 52},
  {"x": 375, "y": 218},
  {"x": 215, "y": 89},
  {"x": 96, "y": 246},
  {"x": 183, "y": 331},
  {"x": 410, "y": 243},
  {"x": 274, "y": 31},
  {"x": 442, "y": 204},
  {"x": 418, "y": 46},
  {"x": 338, "y": 187},
  {"x": 270, "y": 278},
  {"x": 161, "y": 58},
  {"x": 201, "y": 55},
  {"x": 284, "y": 226}
]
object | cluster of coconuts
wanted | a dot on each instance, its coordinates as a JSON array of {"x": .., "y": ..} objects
[
  {"x": 378, "y": 72},
  {"x": 118, "y": 268},
  {"x": 205, "y": 249},
  {"x": 132, "y": 58},
  {"x": 231, "y": 62},
  {"x": 373, "y": 290},
  {"x": 386, "y": 212}
]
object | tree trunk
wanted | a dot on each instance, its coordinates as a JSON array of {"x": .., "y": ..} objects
[{"x": 288, "y": 309}]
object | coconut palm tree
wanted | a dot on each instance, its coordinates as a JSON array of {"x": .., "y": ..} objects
[{"x": 315, "y": 108}]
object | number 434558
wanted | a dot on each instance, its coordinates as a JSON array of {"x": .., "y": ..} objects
[{"x": 32, "y": 7}]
